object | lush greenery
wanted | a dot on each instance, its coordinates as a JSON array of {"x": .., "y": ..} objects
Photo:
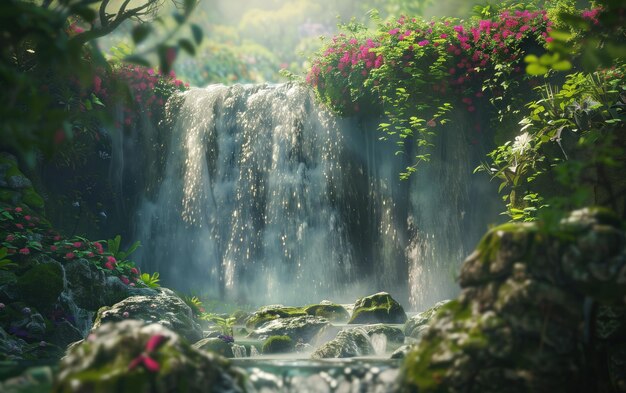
[{"x": 421, "y": 75}]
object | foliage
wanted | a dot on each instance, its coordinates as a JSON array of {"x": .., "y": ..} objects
[
  {"x": 47, "y": 48},
  {"x": 113, "y": 247},
  {"x": 151, "y": 281},
  {"x": 195, "y": 304},
  {"x": 572, "y": 138},
  {"x": 25, "y": 236},
  {"x": 462, "y": 64},
  {"x": 5, "y": 263},
  {"x": 224, "y": 324}
]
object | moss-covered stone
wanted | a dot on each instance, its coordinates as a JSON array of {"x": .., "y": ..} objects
[
  {"x": 15, "y": 188},
  {"x": 332, "y": 312},
  {"x": 113, "y": 359},
  {"x": 417, "y": 324},
  {"x": 269, "y": 313},
  {"x": 278, "y": 344},
  {"x": 215, "y": 345},
  {"x": 41, "y": 285},
  {"x": 517, "y": 326},
  {"x": 348, "y": 343},
  {"x": 164, "y": 308},
  {"x": 302, "y": 328},
  {"x": 377, "y": 308}
]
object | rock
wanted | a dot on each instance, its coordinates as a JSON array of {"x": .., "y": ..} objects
[
  {"x": 41, "y": 285},
  {"x": 64, "y": 334},
  {"x": 401, "y": 352},
  {"x": 417, "y": 324},
  {"x": 348, "y": 343},
  {"x": 34, "y": 379},
  {"x": 31, "y": 326},
  {"x": 278, "y": 344},
  {"x": 165, "y": 308},
  {"x": 132, "y": 357},
  {"x": 393, "y": 334},
  {"x": 240, "y": 317},
  {"x": 215, "y": 345},
  {"x": 332, "y": 312},
  {"x": 377, "y": 308},
  {"x": 298, "y": 328},
  {"x": 11, "y": 347},
  {"x": 19, "y": 181},
  {"x": 269, "y": 313},
  {"x": 530, "y": 293}
]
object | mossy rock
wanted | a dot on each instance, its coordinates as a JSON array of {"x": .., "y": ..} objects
[
  {"x": 31, "y": 198},
  {"x": 113, "y": 359},
  {"x": 377, "y": 308},
  {"x": 41, "y": 285},
  {"x": 348, "y": 343},
  {"x": 269, "y": 313},
  {"x": 417, "y": 324},
  {"x": 10, "y": 196},
  {"x": 332, "y": 312},
  {"x": 240, "y": 317},
  {"x": 215, "y": 345},
  {"x": 278, "y": 344}
]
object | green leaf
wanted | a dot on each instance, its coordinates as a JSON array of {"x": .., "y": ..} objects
[
  {"x": 531, "y": 59},
  {"x": 135, "y": 59},
  {"x": 187, "y": 46},
  {"x": 141, "y": 32},
  {"x": 562, "y": 65},
  {"x": 197, "y": 33},
  {"x": 536, "y": 69}
]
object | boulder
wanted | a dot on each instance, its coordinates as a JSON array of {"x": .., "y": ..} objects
[
  {"x": 302, "y": 328},
  {"x": 41, "y": 285},
  {"x": 348, "y": 343},
  {"x": 278, "y": 344},
  {"x": 269, "y": 313},
  {"x": 130, "y": 356},
  {"x": 11, "y": 347},
  {"x": 393, "y": 334},
  {"x": 332, "y": 312},
  {"x": 417, "y": 324},
  {"x": 165, "y": 308},
  {"x": 377, "y": 308},
  {"x": 215, "y": 345},
  {"x": 541, "y": 309}
]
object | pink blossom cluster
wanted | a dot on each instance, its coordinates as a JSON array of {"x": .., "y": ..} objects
[
  {"x": 149, "y": 90},
  {"x": 347, "y": 57},
  {"x": 22, "y": 228}
]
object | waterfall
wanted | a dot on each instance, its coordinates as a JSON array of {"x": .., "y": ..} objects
[
  {"x": 239, "y": 351},
  {"x": 379, "y": 343},
  {"x": 266, "y": 198}
]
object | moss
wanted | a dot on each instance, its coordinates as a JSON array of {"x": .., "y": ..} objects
[
  {"x": 32, "y": 198},
  {"x": 332, "y": 312},
  {"x": 9, "y": 196},
  {"x": 41, "y": 285},
  {"x": 417, "y": 373},
  {"x": 278, "y": 344},
  {"x": 267, "y": 314},
  {"x": 215, "y": 345},
  {"x": 380, "y": 307}
]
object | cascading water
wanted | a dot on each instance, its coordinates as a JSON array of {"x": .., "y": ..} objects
[{"x": 267, "y": 198}]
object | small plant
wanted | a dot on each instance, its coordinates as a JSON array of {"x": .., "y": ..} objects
[
  {"x": 5, "y": 264},
  {"x": 151, "y": 281},
  {"x": 225, "y": 324},
  {"x": 113, "y": 247},
  {"x": 195, "y": 304}
]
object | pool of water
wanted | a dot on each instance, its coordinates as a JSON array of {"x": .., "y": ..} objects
[{"x": 289, "y": 374}]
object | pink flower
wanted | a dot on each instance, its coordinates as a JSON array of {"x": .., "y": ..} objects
[
  {"x": 431, "y": 123},
  {"x": 18, "y": 209},
  {"x": 27, "y": 218},
  {"x": 24, "y": 251},
  {"x": 109, "y": 266},
  {"x": 77, "y": 244},
  {"x": 19, "y": 226},
  {"x": 125, "y": 280},
  {"x": 10, "y": 238},
  {"x": 443, "y": 36},
  {"x": 134, "y": 271},
  {"x": 90, "y": 255},
  {"x": 423, "y": 43},
  {"x": 394, "y": 31},
  {"x": 97, "y": 84},
  {"x": 70, "y": 255},
  {"x": 98, "y": 247},
  {"x": 111, "y": 259},
  {"x": 57, "y": 238}
]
